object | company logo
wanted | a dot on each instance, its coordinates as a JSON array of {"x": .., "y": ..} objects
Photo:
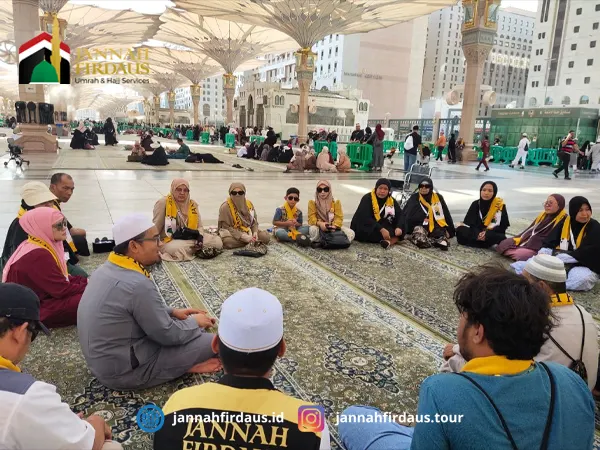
[
  {"x": 150, "y": 418},
  {"x": 45, "y": 60},
  {"x": 311, "y": 418}
]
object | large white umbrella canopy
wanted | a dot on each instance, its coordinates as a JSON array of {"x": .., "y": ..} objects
[
  {"x": 309, "y": 21},
  {"x": 230, "y": 43},
  {"x": 193, "y": 65},
  {"x": 87, "y": 27}
]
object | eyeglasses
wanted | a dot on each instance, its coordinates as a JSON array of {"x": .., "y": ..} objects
[
  {"x": 293, "y": 199},
  {"x": 60, "y": 225},
  {"x": 155, "y": 238},
  {"x": 323, "y": 189},
  {"x": 237, "y": 193},
  {"x": 549, "y": 203}
]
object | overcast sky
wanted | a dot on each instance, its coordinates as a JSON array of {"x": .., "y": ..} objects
[{"x": 158, "y": 6}]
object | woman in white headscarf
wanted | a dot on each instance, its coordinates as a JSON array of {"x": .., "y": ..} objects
[
  {"x": 174, "y": 214},
  {"x": 323, "y": 163},
  {"x": 78, "y": 139}
]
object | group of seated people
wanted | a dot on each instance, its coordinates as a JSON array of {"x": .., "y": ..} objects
[
  {"x": 84, "y": 138},
  {"x": 507, "y": 381},
  {"x": 305, "y": 159},
  {"x": 574, "y": 237},
  {"x": 132, "y": 340}
]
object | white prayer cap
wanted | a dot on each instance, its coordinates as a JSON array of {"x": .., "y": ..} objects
[
  {"x": 547, "y": 268},
  {"x": 130, "y": 226},
  {"x": 251, "y": 321}
]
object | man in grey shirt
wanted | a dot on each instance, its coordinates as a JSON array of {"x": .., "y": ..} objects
[{"x": 130, "y": 338}]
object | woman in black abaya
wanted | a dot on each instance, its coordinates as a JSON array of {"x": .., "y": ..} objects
[{"x": 486, "y": 221}]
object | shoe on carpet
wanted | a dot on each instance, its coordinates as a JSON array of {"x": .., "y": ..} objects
[{"x": 385, "y": 244}]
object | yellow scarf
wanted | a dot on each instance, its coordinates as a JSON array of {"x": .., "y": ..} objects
[
  {"x": 291, "y": 214},
  {"x": 56, "y": 205},
  {"x": 6, "y": 364},
  {"x": 389, "y": 202},
  {"x": 563, "y": 299},
  {"x": 496, "y": 365},
  {"x": 435, "y": 201},
  {"x": 541, "y": 217},
  {"x": 128, "y": 263},
  {"x": 565, "y": 235},
  {"x": 496, "y": 206},
  {"x": 21, "y": 212},
  {"x": 45, "y": 245},
  {"x": 171, "y": 218},
  {"x": 237, "y": 221}
]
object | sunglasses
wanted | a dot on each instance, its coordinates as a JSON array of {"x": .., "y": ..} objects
[
  {"x": 322, "y": 189},
  {"x": 60, "y": 225},
  {"x": 425, "y": 186},
  {"x": 293, "y": 199},
  {"x": 237, "y": 193}
]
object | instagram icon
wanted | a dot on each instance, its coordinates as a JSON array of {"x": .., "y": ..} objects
[{"x": 311, "y": 418}]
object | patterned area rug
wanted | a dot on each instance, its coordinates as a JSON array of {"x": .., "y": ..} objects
[{"x": 362, "y": 326}]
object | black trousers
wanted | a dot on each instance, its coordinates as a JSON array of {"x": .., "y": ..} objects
[
  {"x": 439, "y": 155},
  {"x": 564, "y": 158}
]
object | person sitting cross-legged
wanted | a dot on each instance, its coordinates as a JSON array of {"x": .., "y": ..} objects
[
  {"x": 250, "y": 340},
  {"x": 502, "y": 398},
  {"x": 181, "y": 153},
  {"x": 39, "y": 263},
  {"x": 62, "y": 186},
  {"x": 573, "y": 337},
  {"x": 428, "y": 219},
  {"x": 129, "y": 337},
  {"x": 35, "y": 194},
  {"x": 325, "y": 214},
  {"x": 238, "y": 222},
  {"x": 577, "y": 244},
  {"x": 378, "y": 217},
  {"x": 288, "y": 219},
  {"x": 529, "y": 242},
  {"x": 486, "y": 220},
  {"x": 177, "y": 217},
  {"x": 32, "y": 414}
]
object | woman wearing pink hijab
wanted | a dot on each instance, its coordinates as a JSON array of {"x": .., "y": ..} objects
[{"x": 39, "y": 264}]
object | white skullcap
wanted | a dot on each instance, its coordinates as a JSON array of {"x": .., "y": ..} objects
[
  {"x": 130, "y": 226},
  {"x": 251, "y": 321},
  {"x": 547, "y": 268}
]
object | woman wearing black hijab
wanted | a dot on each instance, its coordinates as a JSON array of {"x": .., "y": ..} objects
[
  {"x": 110, "y": 134},
  {"x": 378, "y": 217},
  {"x": 577, "y": 244},
  {"x": 368, "y": 134},
  {"x": 427, "y": 218},
  {"x": 486, "y": 221}
]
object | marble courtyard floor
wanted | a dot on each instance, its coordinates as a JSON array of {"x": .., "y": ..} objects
[{"x": 362, "y": 326}]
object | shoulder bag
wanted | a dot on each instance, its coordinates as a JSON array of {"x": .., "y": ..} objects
[
  {"x": 546, "y": 435},
  {"x": 576, "y": 365}
]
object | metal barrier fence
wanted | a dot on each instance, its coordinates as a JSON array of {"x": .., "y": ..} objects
[{"x": 402, "y": 127}]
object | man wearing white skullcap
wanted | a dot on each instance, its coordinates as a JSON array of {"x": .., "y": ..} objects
[
  {"x": 130, "y": 338},
  {"x": 249, "y": 341},
  {"x": 572, "y": 322}
]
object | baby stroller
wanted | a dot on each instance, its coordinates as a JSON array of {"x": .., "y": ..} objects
[
  {"x": 15, "y": 153},
  {"x": 403, "y": 189}
]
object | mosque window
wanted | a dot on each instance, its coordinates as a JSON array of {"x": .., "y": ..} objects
[{"x": 584, "y": 100}]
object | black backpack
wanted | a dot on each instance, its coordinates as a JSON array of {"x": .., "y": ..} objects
[{"x": 576, "y": 365}]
